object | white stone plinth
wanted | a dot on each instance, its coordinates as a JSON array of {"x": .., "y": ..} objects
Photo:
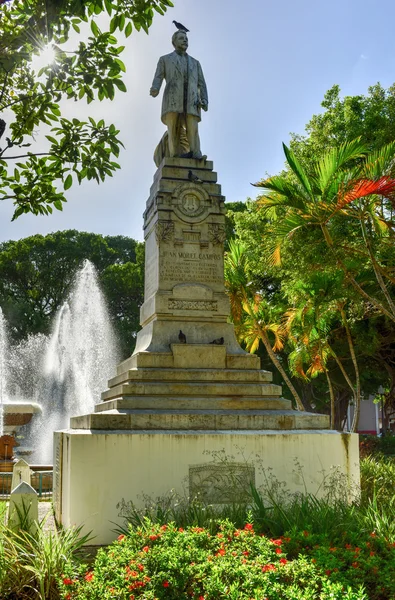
[{"x": 94, "y": 470}]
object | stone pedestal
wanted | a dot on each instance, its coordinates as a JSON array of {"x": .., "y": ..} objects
[{"x": 171, "y": 402}]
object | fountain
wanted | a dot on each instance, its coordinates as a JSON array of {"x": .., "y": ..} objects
[
  {"x": 13, "y": 415},
  {"x": 64, "y": 372},
  {"x": 80, "y": 357}
]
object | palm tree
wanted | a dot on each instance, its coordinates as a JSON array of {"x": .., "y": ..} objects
[
  {"x": 347, "y": 181},
  {"x": 319, "y": 308},
  {"x": 253, "y": 317}
]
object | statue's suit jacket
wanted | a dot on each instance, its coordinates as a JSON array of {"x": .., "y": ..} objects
[{"x": 170, "y": 68}]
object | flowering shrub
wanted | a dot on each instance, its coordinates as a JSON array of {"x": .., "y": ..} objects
[{"x": 154, "y": 562}]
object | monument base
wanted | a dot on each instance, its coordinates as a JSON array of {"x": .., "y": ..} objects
[
  {"x": 100, "y": 468},
  {"x": 189, "y": 391}
]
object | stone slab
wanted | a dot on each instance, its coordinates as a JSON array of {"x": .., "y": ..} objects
[
  {"x": 199, "y": 356},
  {"x": 154, "y": 374},
  {"x": 200, "y": 419},
  {"x": 152, "y": 463},
  {"x": 187, "y": 163},
  {"x": 175, "y": 388},
  {"x": 195, "y": 402}
]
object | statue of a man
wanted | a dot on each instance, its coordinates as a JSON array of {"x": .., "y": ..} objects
[{"x": 184, "y": 96}]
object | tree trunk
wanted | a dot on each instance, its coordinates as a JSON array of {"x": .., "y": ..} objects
[
  {"x": 357, "y": 408},
  {"x": 332, "y": 397},
  {"x": 351, "y": 279},
  {"x": 376, "y": 269},
  {"x": 278, "y": 365}
]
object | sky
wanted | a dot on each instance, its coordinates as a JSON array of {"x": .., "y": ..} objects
[{"x": 267, "y": 67}]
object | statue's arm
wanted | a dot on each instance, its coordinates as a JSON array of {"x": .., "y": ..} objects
[
  {"x": 202, "y": 88},
  {"x": 158, "y": 78}
]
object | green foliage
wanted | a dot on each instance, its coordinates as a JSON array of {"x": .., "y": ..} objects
[
  {"x": 155, "y": 561},
  {"x": 370, "y": 117},
  {"x": 378, "y": 481},
  {"x": 31, "y": 564},
  {"x": 29, "y": 100},
  {"x": 36, "y": 274}
]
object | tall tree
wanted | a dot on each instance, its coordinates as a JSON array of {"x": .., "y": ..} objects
[{"x": 35, "y": 180}]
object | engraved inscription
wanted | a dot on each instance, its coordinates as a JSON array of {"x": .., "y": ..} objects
[
  {"x": 221, "y": 483},
  {"x": 164, "y": 231},
  {"x": 217, "y": 233},
  {"x": 180, "y": 265},
  {"x": 193, "y": 305}
]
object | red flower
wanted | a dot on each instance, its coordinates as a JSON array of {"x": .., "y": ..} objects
[
  {"x": 180, "y": 529},
  {"x": 328, "y": 572},
  {"x": 283, "y": 561},
  {"x": 332, "y": 549},
  {"x": 267, "y": 568},
  {"x": 249, "y": 527},
  {"x": 221, "y": 552},
  {"x": 246, "y": 553},
  {"x": 164, "y": 528},
  {"x": 306, "y": 534},
  {"x": 277, "y": 542},
  {"x": 201, "y": 597},
  {"x": 89, "y": 576},
  {"x": 372, "y": 553},
  {"x": 278, "y": 551},
  {"x": 140, "y": 567},
  {"x": 68, "y": 581},
  {"x": 348, "y": 546},
  {"x": 153, "y": 537},
  {"x": 120, "y": 538},
  {"x": 355, "y": 565},
  {"x": 146, "y": 549},
  {"x": 165, "y": 584}
]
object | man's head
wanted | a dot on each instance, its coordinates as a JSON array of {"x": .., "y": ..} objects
[{"x": 180, "y": 41}]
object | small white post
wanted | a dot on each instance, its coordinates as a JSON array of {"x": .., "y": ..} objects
[
  {"x": 23, "y": 508},
  {"x": 20, "y": 473}
]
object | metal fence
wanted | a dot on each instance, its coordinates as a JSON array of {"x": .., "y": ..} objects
[{"x": 41, "y": 481}]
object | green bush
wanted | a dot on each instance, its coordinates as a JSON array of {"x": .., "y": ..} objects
[
  {"x": 166, "y": 562},
  {"x": 31, "y": 564}
]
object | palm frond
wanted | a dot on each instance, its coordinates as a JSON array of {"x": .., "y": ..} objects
[
  {"x": 336, "y": 159},
  {"x": 385, "y": 186},
  {"x": 298, "y": 170},
  {"x": 380, "y": 161}
]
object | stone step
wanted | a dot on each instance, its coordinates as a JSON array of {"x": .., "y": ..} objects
[
  {"x": 192, "y": 375},
  {"x": 196, "y": 403},
  {"x": 166, "y": 388},
  {"x": 200, "y": 420},
  {"x": 242, "y": 361}
]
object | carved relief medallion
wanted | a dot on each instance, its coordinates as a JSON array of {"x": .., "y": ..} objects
[{"x": 191, "y": 202}]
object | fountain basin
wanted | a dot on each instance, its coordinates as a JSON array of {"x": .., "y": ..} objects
[{"x": 17, "y": 414}]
